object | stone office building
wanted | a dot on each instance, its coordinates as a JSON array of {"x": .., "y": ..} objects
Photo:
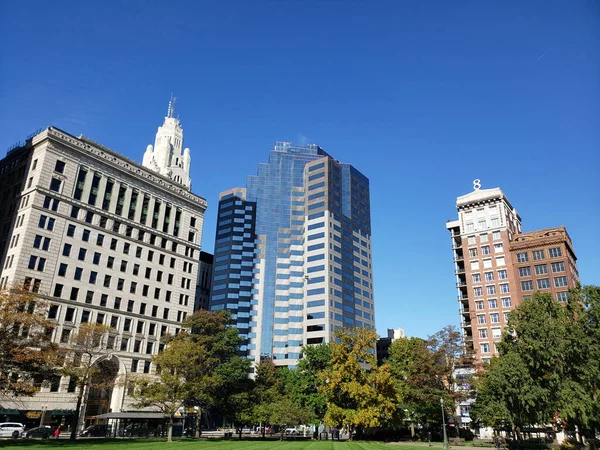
[{"x": 102, "y": 239}]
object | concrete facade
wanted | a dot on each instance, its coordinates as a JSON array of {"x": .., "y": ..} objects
[{"x": 101, "y": 239}]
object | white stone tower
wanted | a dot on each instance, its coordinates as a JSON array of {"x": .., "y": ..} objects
[{"x": 167, "y": 157}]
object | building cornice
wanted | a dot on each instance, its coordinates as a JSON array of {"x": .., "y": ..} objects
[{"x": 99, "y": 152}]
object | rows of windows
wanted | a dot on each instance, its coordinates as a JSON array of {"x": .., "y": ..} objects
[
  {"x": 493, "y": 303},
  {"x": 493, "y": 318},
  {"x": 541, "y": 269},
  {"x": 544, "y": 283},
  {"x": 538, "y": 255},
  {"x": 501, "y": 274},
  {"x": 503, "y": 288},
  {"x": 472, "y": 240}
]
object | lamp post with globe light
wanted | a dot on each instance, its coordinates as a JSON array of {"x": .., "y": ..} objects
[{"x": 444, "y": 425}]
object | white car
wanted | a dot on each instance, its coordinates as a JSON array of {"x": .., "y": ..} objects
[
  {"x": 11, "y": 429},
  {"x": 292, "y": 430}
]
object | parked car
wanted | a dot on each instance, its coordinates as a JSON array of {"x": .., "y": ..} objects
[
  {"x": 98, "y": 430},
  {"x": 11, "y": 429},
  {"x": 260, "y": 430},
  {"x": 291, "y": 430},
  {"x": 38, "y": 432}
]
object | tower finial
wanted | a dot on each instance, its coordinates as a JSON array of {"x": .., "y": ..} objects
[
  {"x": 477, "y": 184},
  {"x": 171, "y": 110}
]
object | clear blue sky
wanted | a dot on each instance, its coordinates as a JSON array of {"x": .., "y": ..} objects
[{"x": 420, "y": 96}]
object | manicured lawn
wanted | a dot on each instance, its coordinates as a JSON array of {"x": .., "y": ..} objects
[{"x": 161, "y": 444}]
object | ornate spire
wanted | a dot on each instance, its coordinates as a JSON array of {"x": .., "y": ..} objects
[{"x": 171, "y": 110}]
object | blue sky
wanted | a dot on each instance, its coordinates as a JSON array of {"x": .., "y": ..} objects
[{"x": 420, "y": 96}]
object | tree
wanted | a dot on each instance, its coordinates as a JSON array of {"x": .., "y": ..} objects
[
  {"x": 302, "y": 384},
  {"x": 269, "y": 388},
  {"x": 523, "y": 385},
  {"x": 424, "y": 373},
  {"x": 284, "y": 412},
  {"x": 419, "y": 378},
  {"x": 82, "y": 358},
  {"x": 168, "y": 392},
  {"x": 199, "y": 367},
  {"x": 359, "y": 394},
  {"x": 579, "y": 397},
  {"x": 27, "y": 355}
]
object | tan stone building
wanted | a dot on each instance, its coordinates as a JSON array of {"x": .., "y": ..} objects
[{"x": 102, "y": 239}]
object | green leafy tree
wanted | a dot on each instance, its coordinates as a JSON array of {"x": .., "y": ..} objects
[
  {"x": 82, "y": 359},
  {"x": 532, "y": 363},
  {"x": 303, "y": 383},
  {"x": 202, "y": 364},
  {"x": 359, "y": 394},
  {"x": 579, "y": 396},
  {"x": 169, "y": 391},
  {"x": 269, "y": 388},
  {"x": 284, "y": 412},
  {"x": 27, "y": 355}
]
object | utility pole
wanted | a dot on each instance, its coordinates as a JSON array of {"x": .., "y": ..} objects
[{"x": 446, "y": 447}]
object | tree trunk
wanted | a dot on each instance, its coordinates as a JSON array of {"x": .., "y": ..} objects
[
  {"x": 77, "y": 411},
  {"x": 170, "y": 430},
  {"x": 518, "y": 433},
  {"x": 199, "y": 424}
]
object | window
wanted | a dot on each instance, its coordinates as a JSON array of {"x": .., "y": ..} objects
[
  {"x": 522, "y": 257},
  {"x": 481, "y": 224},
  {"x": 120, "y": 283},
  {"x": 483, "y": 333},
  {"x": 58, "y": 288},
  {"x": 495, "y": 235},
  {"x": 472, "y": 252},
  {"x": 506, "y": 303},
  {"x": 469, "y": 227},
  {"x": 100, "y": 239},
  {"x": 62, "y": 270},
  {"x": 502, "y": 274},
  {"x": 479, "y": 305},
  {"x": 527, "y": 285},
  {"x": 78, "y": 273},
  {"x": 560, "y": 281},
  {"x": 166, "y": 313},
  {"x": 82, "y": 253},
  {"x": 71, "y": 230},
  {"x": 538, "y": 255},
  {"x": 485, "y": 347},
  {"x": 126, "y": 248},
  {"x": 481, "y": 319},
  {"x": 524, "y": 272},
  {"x": 107, "y": 281},
  {"x": 500, "y": 261},
  {"x": 485, "y": 250},
  {"x": 476, "y": 278},
  {"x": 562, "y": 296},
  {"x": 113, "y": 244},
  {"x": 489, "y": 276},
  {"x": 133, "y": 287},
  {"x": 492, "y": 303},
  {"x": 117, "y": 304},
  {"x": 89, "y": 297},
  {"x": 85, "y": 235},
  {"x": 487, "y": 263},
  {"x": 123, "y": 266},
  {"x": 491, "y": 290},
  {"x": 494, "y": 318},
  {"x": 67, "y": 250},
  {"x": 111, "y": 262},
  {"x": 499, "y": 248},
  {"x": 93, "y": 277},
  {"x": 555, "y": 252},
  {"x": 504, "y": 288},
  {"x": 495, "y": 222},
  {"x": 471, "y": 240},
  {"x": 496, "y": 333},
  {"x": 541, "y": 269},
  {"x": 543, "y": 283},
  {"x": 96, "y": 259},
  {"x": 558, "y": 267},
  {"x": 55, "y": 184},
  {"x": 483, "y": 237},
  {"x": 74, "y": 294}
]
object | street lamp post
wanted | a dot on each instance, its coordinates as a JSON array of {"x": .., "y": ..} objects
[{"x": 444, "y": 425}]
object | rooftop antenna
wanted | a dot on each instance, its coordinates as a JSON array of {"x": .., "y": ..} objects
[{"x": 171, "y": 110}]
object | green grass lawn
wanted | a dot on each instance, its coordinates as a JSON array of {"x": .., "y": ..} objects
[{"x": 161, "y": 444}]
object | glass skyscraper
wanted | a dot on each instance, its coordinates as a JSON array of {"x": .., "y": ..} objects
[{"x": 293, "y": 253}]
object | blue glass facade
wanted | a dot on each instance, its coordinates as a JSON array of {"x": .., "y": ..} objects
[{"x": 307, "y": 221}]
